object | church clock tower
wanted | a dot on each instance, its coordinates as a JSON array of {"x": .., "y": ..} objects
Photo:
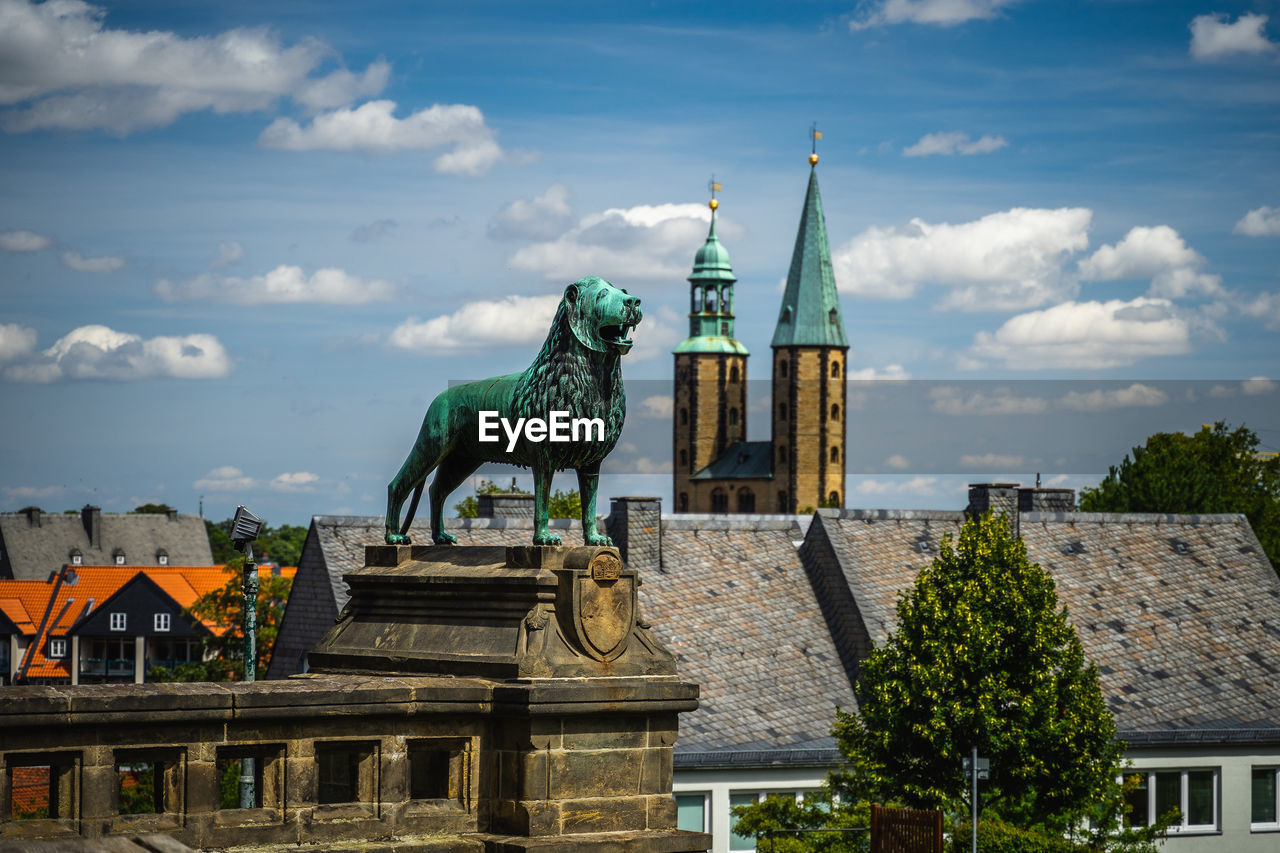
[
  {"x": 710, "y": 411},
  {"x": 810, "y": 357}
]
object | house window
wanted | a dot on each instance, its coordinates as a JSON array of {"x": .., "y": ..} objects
[
  {"x": 741, "y": 842},
  {"x": 746, "y": 500},
  {"x": 57, "y": 648},
  {"x": 733, "y": 373},
  {"x": 1194, "y": 793},
  {"x": 119, "y": 621},
  {"x": 162, "y": 622},
  {"x": 118, "y": 556},
  {"x": 719, "y": 500},
  {"x": 835, "y": 454},
  {"x": 77, "y": 559},
  {"x": 835, "y": 369},
  {"x": 692, "y": 812},
  {"x": 833, "y": 499},
  {"x": 162, "y": 557},
  {"x": 835, "y": 412},
  {"x": 1264, "y": 785}
]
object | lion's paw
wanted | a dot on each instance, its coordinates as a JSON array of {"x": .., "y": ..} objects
[
  {"x": 398, "y": 539},
  {"x": 546, "y": 539},
  {"x": 598, "y": 539},
  {"x": 446, "y": 539}
]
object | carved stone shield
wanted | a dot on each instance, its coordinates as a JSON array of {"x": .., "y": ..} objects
[{"x": 606, "y": 608}]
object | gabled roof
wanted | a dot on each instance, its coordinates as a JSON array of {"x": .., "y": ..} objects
[
  {"x": 742, "y": 460},
  {"x": 810, "y": 313},
  {"x": 734, "y": 605},
  {"x": 1181, "y": 613},
  {"x": 34, "y": 545}
]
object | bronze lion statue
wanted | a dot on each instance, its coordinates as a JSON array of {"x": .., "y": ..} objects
[{"x": 577, "y": 371}]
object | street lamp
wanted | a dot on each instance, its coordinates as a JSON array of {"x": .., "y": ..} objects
[{"x": 244, "y": 529}]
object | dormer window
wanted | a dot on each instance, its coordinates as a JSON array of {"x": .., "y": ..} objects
[
  {"x": 834, "y": 315},
  {"x": 162, "y": 557},
  {"x": 117, "y": 556},
  {"x": 76, "y": 558},
  {"x": 57, "y": 648}
]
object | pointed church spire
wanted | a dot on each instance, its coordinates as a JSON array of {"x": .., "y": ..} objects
[{"x": 810, "y": 314}]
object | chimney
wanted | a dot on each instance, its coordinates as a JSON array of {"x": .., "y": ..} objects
[
  {"x": 1046, "y": 500},
  {"x": 33, "y": 516},
  {"x": 504, "y": 505},
  {"x": 635, "y": 525},
  {"x": 91, "y": 517},
  {"x": 997, "y": 497},
  {"x": 172, "y": 515}
]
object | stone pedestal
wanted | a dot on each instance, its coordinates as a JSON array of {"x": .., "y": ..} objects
[{"x": 577, "y": 750}]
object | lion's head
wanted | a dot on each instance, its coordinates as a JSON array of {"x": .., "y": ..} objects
[{"x": 600, "y": 315}]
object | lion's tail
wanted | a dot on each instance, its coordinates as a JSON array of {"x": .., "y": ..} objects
[{"x": 413, "y": 509}]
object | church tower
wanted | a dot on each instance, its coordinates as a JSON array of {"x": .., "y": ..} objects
[
  {"x": 710, "y": 411},
  {"x": 810, "y": 354}
]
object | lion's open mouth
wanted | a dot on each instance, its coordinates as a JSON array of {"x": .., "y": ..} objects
[{"x": 617, "y": 335}]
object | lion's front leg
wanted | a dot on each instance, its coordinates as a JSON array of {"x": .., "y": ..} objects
[
  {"x": 588, "y": 485},
  {"x": 541, "y": 505}
]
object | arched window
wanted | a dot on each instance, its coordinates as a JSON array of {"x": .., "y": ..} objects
[
  {"x": 684, "y": 417},
  {"x": 684, "y": 459},
  {"x": 835, "y": 412},
  {"x": 746, "y": 500},
  {"x": 733, "y": 417},
  {"x": 782, "y": 453},
  {"x": 782, "y": 501},
  {"x": 833, "y": 499},
  {"x": 733, "y": 373},
  {"x": 684, "y": 501},
  {"x": 782, "y": 368},
  {"x": 782, "y": 411},
  {"x": 835, "y": 369},
  {"x": 835, "y": 454},
  {"x": 719, "y": 500}
]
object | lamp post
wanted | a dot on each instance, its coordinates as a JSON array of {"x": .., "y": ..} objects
[{"x": 244, "y": 529}]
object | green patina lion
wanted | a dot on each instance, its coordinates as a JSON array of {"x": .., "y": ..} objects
[{"x": 577, "y": 371}]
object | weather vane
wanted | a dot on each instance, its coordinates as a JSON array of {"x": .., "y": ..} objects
[
  {"x": 814, "y": 136},
  {"x": 715, "y": 188}
]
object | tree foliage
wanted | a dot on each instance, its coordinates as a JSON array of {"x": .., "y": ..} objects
[
  {"x": 1217, "y": 470},
  {"x": 152, "y": 509},
  {"x": 982, "y": 655},
  {"x": 561, "y": 505},
  {"x": 283, "y": 544},
  {"x": 225, "y": 607}
]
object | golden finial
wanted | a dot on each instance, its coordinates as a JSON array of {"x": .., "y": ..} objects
[
  {"x": 715, "y": 188},
  {"x": 814, "y": 136}
]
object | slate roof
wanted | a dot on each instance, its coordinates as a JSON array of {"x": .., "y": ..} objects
[
  {"x": 742, "y": 460},
  {"x": 1185, "y": 638},
  {"x": 734, "y": 605},
  {"x": 32, "y": 551}
]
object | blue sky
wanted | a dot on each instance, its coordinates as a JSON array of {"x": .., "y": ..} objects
[{"x": 243, "y": 245}]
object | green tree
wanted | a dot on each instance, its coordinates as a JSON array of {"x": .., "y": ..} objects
[
  {"x": 982, "y": 655},
  {"x": 564, "y": 504},
  {"x": 1217, "y": 470},
  {"x": 153, "y": 509},
  {"x": 282, "y": 544},
  {"x": 225, "y": 607},
  {"x": 469, "y": 507}
]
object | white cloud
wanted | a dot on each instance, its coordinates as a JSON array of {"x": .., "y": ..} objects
[
  {"x": 1086, "y": 335},
  {"x": 1257, "y": 385},
  {"x": 1261, "y": 306},
  {"x": 950, "y": 400},
  {"x": 284, "y": 284},
  {"x": 542, "y": 218},
  {"x": 298, "y": 481},
  {"x": 74, "y": 73},
  {"x": 1136, "y": 395},
  {"x": 227, "y": 478},
  {"x": 893, "y": 372},
  {"x": 79, "y": 263},
  {"x": 645, "y": 465},
  {"x": 991, "y": 461},
  {"x": 16, "y": 341},
  {"x": 647, "y": 242},
  {"x": 918, "y": 485},
  {"x": 1158, "y": 253},
  {"x": 657, "y": 406},
  {"x": 33, "y": 492},
  {"x": 1262, "y": 222},
  {"x": 23, "y": 241},
  {"x": 228, "y": 253},
  {"x": 954, "y": 142},
  {"x": 898, "y": 462},
  {"x": 97, "y": 352},
  {"x": 1008, "y": 260},
  {"x": 942, "y": 13},
  {"x": 374, "y": 231},
  {"x": 1214, "y": 37},
  {"x": 371, "y": 127},
  {"x": 510, "y": 321}
]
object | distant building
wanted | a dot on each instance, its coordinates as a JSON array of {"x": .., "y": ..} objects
[
  {"x": 35, "y": 544},
  {"x": 715, "y": 468}
]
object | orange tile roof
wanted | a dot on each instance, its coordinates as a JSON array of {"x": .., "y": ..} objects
[{"x": 26, "y": 601}]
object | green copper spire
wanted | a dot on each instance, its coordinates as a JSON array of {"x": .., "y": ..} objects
[
  {"x": 810, "y": 314},
  {"x": 711, "y": 297}
]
